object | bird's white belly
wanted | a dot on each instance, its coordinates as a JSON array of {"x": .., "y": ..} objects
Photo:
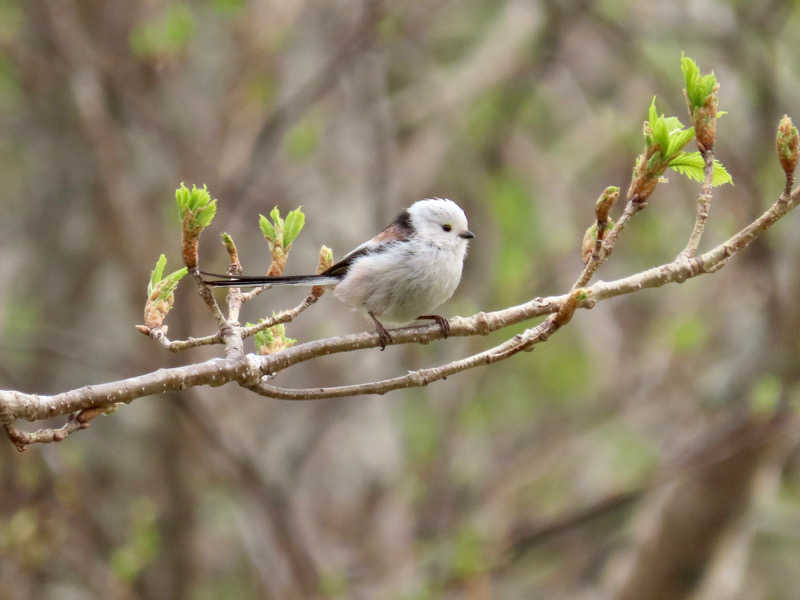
[{"x": 398, "y": 291}]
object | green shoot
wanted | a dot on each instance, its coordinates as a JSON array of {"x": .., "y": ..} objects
[{"x": 195, "y": 206}]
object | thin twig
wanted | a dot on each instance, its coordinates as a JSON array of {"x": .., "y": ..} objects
[
  {"x": 285, "y": 316},
  {"x": 22, "y": 439},
  {"x": 160, "y": 336},
  {"x": 247, "y": 296},
  {"x": 787, "y": 187},
  {"x": 703, "y": 205},
  {"x": 235, "y": 299},
  {"x": 208, "y": 297},
  {"x": 598, "y": 258}
]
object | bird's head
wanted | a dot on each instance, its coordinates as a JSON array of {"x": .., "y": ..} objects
[{"x": 441, "y": 221}]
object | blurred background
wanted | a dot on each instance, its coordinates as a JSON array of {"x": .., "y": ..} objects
[{"x": 648, "y": 450}]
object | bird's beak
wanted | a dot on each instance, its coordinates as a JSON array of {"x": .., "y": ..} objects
[{"x": 467, "y": 235}]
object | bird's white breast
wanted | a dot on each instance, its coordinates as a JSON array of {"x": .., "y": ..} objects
[{"x": 404, "y": 281}]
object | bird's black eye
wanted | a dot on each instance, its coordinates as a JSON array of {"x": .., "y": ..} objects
[{"x": 447, "y": 227}]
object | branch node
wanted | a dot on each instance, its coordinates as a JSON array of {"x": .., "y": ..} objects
[{"x": 482, "y": 323}]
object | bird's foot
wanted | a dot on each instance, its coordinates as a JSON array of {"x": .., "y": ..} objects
[
  {"x": 383, "y": 335},
  {"x": 443, "y": 323}
]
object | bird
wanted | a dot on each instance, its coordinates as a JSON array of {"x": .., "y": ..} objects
[{"x": 401, "y": 275}]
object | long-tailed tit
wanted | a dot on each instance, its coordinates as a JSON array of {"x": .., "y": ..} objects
[{"x": 402, "y": 274}]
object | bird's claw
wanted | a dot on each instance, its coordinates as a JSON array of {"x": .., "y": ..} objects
[
  {"x": 443, "y": 323},
  {"x": 383, "y": 335}
]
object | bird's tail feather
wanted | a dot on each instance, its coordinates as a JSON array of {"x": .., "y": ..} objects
[{"x": 252, "y": 281}]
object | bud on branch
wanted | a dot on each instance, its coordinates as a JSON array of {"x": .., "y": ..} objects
[{"x": 786, "y": 142}]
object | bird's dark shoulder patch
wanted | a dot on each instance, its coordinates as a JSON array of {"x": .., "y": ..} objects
[
  {"x": 399, "y": 230},
  {"x": 403, "y": 221}
]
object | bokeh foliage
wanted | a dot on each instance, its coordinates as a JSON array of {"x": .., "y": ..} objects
[{"x": 523, "y": 113}]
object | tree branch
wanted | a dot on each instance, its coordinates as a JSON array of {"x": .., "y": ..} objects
[
  {"x": 248, "y": 369},
  {"x": 286, "y": 316},
  {"x": 606, "y": 244},
  {"x": 703, "y": 205},
  {"x": 160, "y": 336}
]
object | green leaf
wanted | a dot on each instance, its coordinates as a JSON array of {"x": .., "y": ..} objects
[
  {"x": 673, "y": 123},
  {"x": 263, "y": 337},
  {"x": 275, "y": 215},
  {"x": 678, "y": 139},
  {"x": 267, "y": 337},
  {"x": 667, "y": 133},
  {"x": 168, "y": 285},
  {"x": 157, "y": 273},
  {"x": 196, "y": 204},
  {"x": 720, "y": 175},
  {"x": 206, "y": 215},
  {"x": 277, "y": 227},
  {"x": 690, "y": 71},
  {"x": 661, "y": 134},
  {"x": 266, "y": 228},
  {"x": 661, "y": 128},
  {"x": 295, "y": 221},
  {"x": 200, "y": 197},
  {"x": 698, "y": 87},
  {"x": 182, "y": 195},
  {"x": 691, "y": 165}
]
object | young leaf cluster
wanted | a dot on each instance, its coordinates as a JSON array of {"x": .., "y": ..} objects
[
  {"x": 702, "y": 99},
  {"x": 195, "y": 206},
  {"x": 160, "y": 287},
  {"x": 665, "y": 138},
  {"x": 160, "y": 293},
  {"x": 279, "y": 232},
  {"x": 273, "y": 339},
  {"x": 698, "y": 87}
]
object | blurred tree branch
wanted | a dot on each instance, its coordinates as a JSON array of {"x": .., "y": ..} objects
[
  {"x": 281, "y": 119},
  {"x": 683, "y": 523}
]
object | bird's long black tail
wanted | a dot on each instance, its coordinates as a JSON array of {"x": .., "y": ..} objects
[{"x": 256, "y": 280}]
